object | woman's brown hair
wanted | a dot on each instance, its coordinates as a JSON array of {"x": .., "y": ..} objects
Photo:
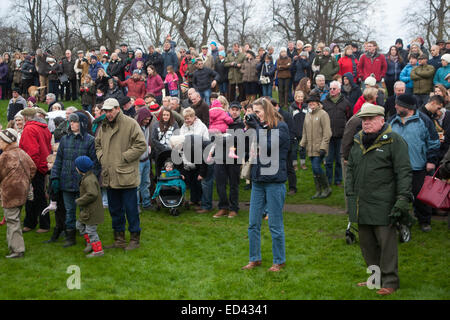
[
  {"x": 271, "y": 116},
  {"x": 164, "y": 126},
  {"x": 302, "y": 87}
]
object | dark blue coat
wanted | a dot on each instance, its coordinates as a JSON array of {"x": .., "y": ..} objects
[
  {"x": 300, "y": 66},
  {"x": 393, "y": 70},
  {"x": 277, "y": 153},
  {"x": 266, "y": 72},
  {"x": 170, "y": 59}
]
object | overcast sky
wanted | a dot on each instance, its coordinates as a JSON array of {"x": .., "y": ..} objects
[{"x": 387, "y": 18}]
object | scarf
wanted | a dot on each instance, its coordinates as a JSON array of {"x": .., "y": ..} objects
[
  {"x": 347, "y": 87},
  {"x": 369, "y": 138},
  {"x": 393, "y": 58}
]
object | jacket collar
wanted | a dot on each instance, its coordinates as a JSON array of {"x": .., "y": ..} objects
[{"x": 385, "y": 137}]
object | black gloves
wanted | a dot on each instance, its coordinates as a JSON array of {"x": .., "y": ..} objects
[{"x": 322, "y": 153}]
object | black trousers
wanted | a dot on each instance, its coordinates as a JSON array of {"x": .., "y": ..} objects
[
  {"x": 71, "y": 90},
  {"x": 292, "y": 177},
  {"x": 33, "y": 209},
  {"x": 60, "y": 213},
  {"x": 228, "y": 174},
  {"x": 421, "y": 210},
  {"x": 194, "y": 185}
]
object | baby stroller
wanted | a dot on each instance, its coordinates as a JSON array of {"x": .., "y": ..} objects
[
  {"x": 170, "y": 185},
  {"x": 404, "y": 233}
]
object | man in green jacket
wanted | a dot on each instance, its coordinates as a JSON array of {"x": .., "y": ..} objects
[
  {"x": 378, "y": 189},
  {"x": 422, "y": 77},
  {"x": 234, "y": 62},
  {"x": 119, "y": 144}
]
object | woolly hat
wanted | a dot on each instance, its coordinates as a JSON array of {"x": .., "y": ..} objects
[
  {"x": 9, "y": 135},
  {"x": 154, "y": 108},
  {"x": 332, "y": 46},
  {"x": 370, "y": 81},
  {"x": 84, "y": 163},
  {"x": 399, "y": 41},
  {"x": 222, "y": 53},
  {"x": 326, "y": 49},
  {"x": 32, "y": 99},
  {"x": 406, "y": 101},
  {"x": 185, "y": 85},
  {"x": 214, "y": 43},
  {"x": 446, "y": 57},
  {"x": 16, "y": 89},
  {"x": 252, "y": 53}
]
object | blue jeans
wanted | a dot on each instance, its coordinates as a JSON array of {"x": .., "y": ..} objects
[
  {"x": 223, "y": 88},
  {"x": 316, "y": 164},
  {"x": 143, "y": 190},
  {"x": 71, "y": 209},
  {"x": 267, "y": 197},
  {"x": 334, "y": 155},
  {"x": 207, "y": 188},
  {"x": 266, "y": 90},
  {"x": 123, "y": 203},
  {"x": 206, "y": 95}
]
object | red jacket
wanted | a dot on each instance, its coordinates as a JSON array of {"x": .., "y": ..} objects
[
  {"x": 135, "y": 88},
  {"x": 36, "y": 142},
  {"x": 367, "y": 66},
  {"x": 346, "y": 65},
  {"x": 359, "y": 104}
]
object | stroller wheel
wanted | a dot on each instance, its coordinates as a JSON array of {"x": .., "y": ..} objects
[
  {"x": 187, "y": 205},
  {"x": 404, "y": 233},
  {"x": 174, "y": 212}
]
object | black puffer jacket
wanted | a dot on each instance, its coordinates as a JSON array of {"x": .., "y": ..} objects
[
  {"x": 116, "y": 69},
  {"x": 339, "y": 113}
]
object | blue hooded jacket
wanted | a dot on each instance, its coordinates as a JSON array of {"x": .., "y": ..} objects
[{"x": 354, "y": 94}]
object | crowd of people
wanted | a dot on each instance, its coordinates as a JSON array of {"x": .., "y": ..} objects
[{"x": 373, "y": 120}]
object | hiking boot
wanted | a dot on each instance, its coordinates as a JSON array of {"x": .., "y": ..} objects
[
  {"x": 134, "y": 241},
  {"x": 232, "y": 214},
  {"x": 318, "y": 187},
  {"x": 326, "y": 189},
  {"x": 70, "y": 238},
  {"x": 97, "y": 250},
  {"x": 119, "y": 241},
  {"x": 15, "y": 255}
]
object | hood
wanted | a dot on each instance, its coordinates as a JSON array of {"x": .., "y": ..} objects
[
  {"x": 84, "y": 122},
  {"x": 142, "y": 114},
  {"x": 37, "y": 122},
  {"x": 350, "y": 77}
]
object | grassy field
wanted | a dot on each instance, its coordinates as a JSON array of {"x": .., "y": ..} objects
[{"x": 194, "y": 256}]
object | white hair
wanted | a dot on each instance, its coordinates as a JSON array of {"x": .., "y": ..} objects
[
  {"x": 399, "y": 83},
  {"x": 337, "y": 83},
  {"x": 300, "y": 42},
  {"x": 320, "y": 76}
]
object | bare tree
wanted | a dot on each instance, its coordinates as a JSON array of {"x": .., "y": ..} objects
[
  {"x": 35, "y": 14},
  {"x": 430, "y": 19},
  {"x": 320, "y": 20},
  {"x": 105, "y": 20}
]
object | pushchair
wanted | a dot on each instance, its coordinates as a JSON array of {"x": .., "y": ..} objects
[
  {"x": 170, "y": 187},
  {"x": 404, "y": 233}
]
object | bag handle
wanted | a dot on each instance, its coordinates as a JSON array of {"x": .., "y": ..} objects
[{"x": 437, "y": 170}]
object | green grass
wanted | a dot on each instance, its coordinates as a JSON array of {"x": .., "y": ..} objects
[{"x": 194, "y": 256}]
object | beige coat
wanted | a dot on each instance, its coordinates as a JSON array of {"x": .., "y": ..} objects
[
  {"x": 316, "y": 132},
  {"x": 16, "y": 171},
  {"x": 119, "y": 145},
  {"x": 234, "y": 72}
]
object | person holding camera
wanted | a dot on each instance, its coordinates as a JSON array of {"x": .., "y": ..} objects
[{"x": 269, "y": 188}]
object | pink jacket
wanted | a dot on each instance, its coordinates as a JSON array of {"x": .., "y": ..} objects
[
  {"x": 219, "y": 120},
  {"x": 172, "y": 81}
]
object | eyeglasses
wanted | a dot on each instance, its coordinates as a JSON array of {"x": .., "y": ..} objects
[{"x": 334, "y": 88}]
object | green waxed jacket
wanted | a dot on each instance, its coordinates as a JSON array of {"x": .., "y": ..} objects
[{"x": 377, "y": 177}]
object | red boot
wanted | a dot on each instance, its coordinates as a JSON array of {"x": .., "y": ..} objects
[
  {"x": 98, "y": 250},
  {"x": 3, "y": 221},
  {"x": 88, "y": 248}
]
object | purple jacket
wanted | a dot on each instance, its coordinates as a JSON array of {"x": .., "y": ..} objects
[{"x": 3, "y": 72}]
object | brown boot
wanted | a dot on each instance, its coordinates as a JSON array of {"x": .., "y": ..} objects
[
  {"x": 134, "y": 241},
  {"x": 221, "y": 213},
  {"x": 119, "y": 241}
]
